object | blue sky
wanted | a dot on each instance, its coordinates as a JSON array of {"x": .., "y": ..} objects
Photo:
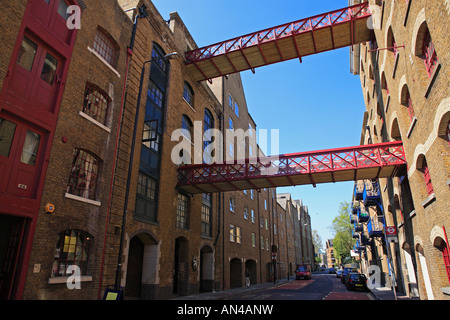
[{"x": 316, "y": 104}]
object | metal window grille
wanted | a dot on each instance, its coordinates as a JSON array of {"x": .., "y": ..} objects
[
  {"x": 105, "y": 47},
  {"x": 96, "y": 103},
  {"x": 426, "y": 175},
  {"x": 429, "y": 54},
  {"x": 72, "y": 248},
  {"x": 84, "y": 175}
]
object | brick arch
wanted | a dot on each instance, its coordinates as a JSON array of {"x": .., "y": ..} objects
[
  {"x": 420, "y": 26},
  {"x": 437, "y": 236}
]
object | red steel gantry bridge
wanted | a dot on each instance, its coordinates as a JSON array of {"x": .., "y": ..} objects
[{"x": 332, "y": 30}]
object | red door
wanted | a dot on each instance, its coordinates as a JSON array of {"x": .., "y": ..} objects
[
  {"x": 21, "y": 157},
  {"x": 36, "y": 76}
]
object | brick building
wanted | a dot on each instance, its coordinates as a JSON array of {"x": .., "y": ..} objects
[
  {"x": 404, "y": 77},
  {"x": 85, "y": 185}
]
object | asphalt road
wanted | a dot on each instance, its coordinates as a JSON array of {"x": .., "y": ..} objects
[{"x": 322, "y": 286}]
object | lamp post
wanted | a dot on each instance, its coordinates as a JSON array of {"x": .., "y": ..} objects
[{"x": 167, "y": 57}]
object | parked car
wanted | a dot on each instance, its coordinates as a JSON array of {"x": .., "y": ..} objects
[
  {"x": 356, "y": 281},
  {"x": 345, "y": 272},
  {"x": 339, "y": 273},
  {"x": 303, "y": 271},
  {"x": 332, "y": 270}
]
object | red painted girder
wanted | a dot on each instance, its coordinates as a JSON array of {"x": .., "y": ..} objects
[
  {"x": 325, "y": 20},
  {"x": 304, "y": 163}
]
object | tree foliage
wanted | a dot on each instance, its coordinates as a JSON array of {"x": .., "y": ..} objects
[{"x": 342, "y": 230}]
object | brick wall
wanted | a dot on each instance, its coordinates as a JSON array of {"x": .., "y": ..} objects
[{"x": 423, "y": 136}]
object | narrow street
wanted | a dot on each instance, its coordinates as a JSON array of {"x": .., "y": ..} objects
[{"x": 322, "y": 286}]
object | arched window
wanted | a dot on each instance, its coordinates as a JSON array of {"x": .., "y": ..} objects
[
  {"x": 427, "y": 177},
  {"x": 186, "y": 126},
  {"x": 106, "y": 47},
  {"x": 448, "y": 132},
  {"x": 188, "y": 94},
  {"x": 444, "y": 248},
  {"x": 429, "y": 55},
  {"x": 391, "y": 42},
  {"x": 208, "y": 124},
  {"x": 84, "y": 174},
  {"x": 407, "y": 102},
  {"x": 73, "y": 248},
  {"x": 96, "y": 103}
]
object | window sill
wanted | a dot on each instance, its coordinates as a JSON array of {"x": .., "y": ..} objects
[
  {"x": 429, "y": 200},
  {"x": 87, "y": 117},
  {"x": 190, "y": 106},
  {"x": 446, "y": 290},
  {"x": 411, "y": 127},
  {"x": 104, "y": 61},
  {"x": 432, "y": 80},
  {"x": 397, "y": 56},
  {"x": 81, "y": 199},
  {"x": 59, "y": 280}
]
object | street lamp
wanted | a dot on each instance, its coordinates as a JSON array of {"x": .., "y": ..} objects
[{"x": 170, "y": 56}]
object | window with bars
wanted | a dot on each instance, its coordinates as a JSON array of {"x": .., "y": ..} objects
[
  {"x": 96, "y": 103},
  {"x": 429, "y": 54},
  {"x": 106, "y": 47},
  {"x": 84, "y": 174},
  {"x": 72, "y": 248},
  {"x": 182, "y": 211},
  {"x": 427, "y": 177}
]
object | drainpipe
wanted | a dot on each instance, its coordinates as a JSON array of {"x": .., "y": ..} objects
[{"x": 142, "y": 14}]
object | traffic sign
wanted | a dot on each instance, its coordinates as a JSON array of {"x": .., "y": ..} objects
[{"x": 391, "y": 231}]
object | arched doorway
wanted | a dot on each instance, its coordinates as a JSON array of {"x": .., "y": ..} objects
[
  {"x": 250, "y": 265},
  {"x": 181, "y": 267},
  {"x": 142, "y": 280},
  {"x": 206, "y": 269},
  {"x": 235, "y": 273}
]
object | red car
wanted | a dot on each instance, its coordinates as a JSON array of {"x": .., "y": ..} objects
[{"x": 303, "y": 271}]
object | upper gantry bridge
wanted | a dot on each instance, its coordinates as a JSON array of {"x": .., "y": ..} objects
[{"x": 328, "y": 31}]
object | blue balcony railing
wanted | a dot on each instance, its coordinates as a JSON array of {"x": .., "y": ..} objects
[
  {"x": 363, "y": 216},
  {"x": 358, "y": 192},
  {"x": 375, "y": 228},
  {"x": 358, "y": 227},
  {"x": 359, "y": 246},
  {"x": 371, "y": 195}
]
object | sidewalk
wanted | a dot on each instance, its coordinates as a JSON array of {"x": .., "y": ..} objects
[
  {"x": 234, "y": 292},
  {"x": 386, "y": 293}
]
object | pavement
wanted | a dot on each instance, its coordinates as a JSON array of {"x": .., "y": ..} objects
[{"x": 382, "y": 293}]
